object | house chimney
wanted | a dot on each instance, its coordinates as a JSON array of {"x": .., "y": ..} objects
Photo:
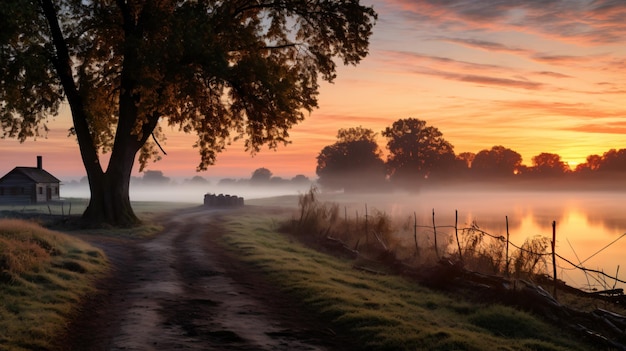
[{"x": 39, "y": 162}]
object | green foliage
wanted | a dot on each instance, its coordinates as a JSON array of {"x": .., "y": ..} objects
[{"x": 508, "y": 323}]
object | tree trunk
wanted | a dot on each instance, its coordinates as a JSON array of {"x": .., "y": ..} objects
[{"x": 110, "y": 201}]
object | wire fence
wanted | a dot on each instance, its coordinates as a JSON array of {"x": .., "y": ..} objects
[{"x": 539, "y": 252}]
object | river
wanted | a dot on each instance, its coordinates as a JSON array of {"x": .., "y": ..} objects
[{"x": 589, "y": 226}]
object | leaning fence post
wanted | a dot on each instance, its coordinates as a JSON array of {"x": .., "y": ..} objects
[
  {"x": 435, "y": 232},
  {"x": 506, "y": 262},
  {"x": 456, "y": 232},
  {"x": 554, "y": 256}
]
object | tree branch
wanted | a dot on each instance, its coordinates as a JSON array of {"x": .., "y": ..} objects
[
  {"x": 63, "y": 65},
  {"x": 157, "y": 142}
]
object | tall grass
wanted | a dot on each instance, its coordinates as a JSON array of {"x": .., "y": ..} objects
[
  {"x": 486, "y": 254},
  {"x": 376, "y": 234},
  {"x": 372, "y": 233},
  {"x": 43, "y": 276}
]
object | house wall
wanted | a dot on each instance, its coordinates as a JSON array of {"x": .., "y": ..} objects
[
  {"x": 46, "y": 192},
  {"x": 19, "y": 189}
]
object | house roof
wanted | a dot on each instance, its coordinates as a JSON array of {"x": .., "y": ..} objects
[{"x": 37, "y": 175}]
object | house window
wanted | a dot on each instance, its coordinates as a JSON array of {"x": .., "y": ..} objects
[
  {"x": 1, "y": 191},
  {"x": 40, "y": 191},
  {"x": 56, "y": 190}
]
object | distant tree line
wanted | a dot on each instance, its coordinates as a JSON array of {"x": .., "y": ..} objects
[
  {"x": 264, "y": 177},
  {"x": 261, "y": 177},
  {"x": 418, "y": 156}
]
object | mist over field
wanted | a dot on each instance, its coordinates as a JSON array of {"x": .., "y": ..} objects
[
  {"x": 586, "y": 220},
  {"x": 590, "y": 225},
  {"x": 191, "y": 193}
]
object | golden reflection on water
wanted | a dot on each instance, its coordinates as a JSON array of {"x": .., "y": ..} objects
[{"x": 585, "y": 223}]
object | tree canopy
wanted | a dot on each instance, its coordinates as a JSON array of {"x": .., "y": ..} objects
[
  {"x": 224, "y": 70},
  {"x": 354, "y": 162},
  {"x": 498, "y": 161},
  {"x": 419, "y": 155},
  {"x": 548, "y": 164},
  {"x": 416, "y": 150}
]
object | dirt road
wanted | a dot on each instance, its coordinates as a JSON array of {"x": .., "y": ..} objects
[{"x": 179, "y": 290}]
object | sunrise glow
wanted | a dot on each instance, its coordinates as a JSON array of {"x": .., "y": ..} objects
[{"x": 531, "y": 76}]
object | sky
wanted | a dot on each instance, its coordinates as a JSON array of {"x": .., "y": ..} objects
[{"x": 534, "y": 76}]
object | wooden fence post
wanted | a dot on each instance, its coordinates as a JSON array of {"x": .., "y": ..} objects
[
  {"x": 435, "y": 232},
  {"x": 506, "y": 262},
  {"x": 417, "y": 249},
  {"x": 456, "y": 232},
  {"x": 367, "y": 235},
  {"x": 554, "y": 256}
]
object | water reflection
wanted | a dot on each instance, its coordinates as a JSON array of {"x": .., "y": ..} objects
[{"x": 585, "y": 222}]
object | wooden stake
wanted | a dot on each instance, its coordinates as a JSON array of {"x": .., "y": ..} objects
[
  {"x": 435, "y": 232},
  {"x": 554, "y": 256},
  {"x": 417, "y": 249},
  {"x": 506, "y": 262},
  {"x": 456, "y": 232}
]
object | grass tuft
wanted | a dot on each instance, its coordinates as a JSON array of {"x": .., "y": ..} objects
[{"x": 44, "y": 275}]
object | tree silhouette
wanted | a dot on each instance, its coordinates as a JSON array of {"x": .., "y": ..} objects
[
  {"x": 354, "y": 162},
  {"x": 547, "y": 164},
  {"x": 223, "y": 70},
  {"x": 300, "y": 179},
  {"x": 416, "y": 151},
  {"x": 497, "y": 162},
  {"x": 198, "y": 180},
  {"x": 613, "y": 161},
  {"x": 261, "y": 176},
  {"x": 592, "y": 165},
  {"x": 466, "y": 158},
  {"x": 154, "y": 178}
]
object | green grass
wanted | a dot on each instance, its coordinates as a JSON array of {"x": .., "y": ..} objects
[
  {"x": 43, "y": 276},
  {"x": 147, "y": 211},
  {"x": 383, "y": 312}
]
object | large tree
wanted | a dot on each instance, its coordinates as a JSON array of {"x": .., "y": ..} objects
[
  {"x": 499, "y": 161},
  {"x": 416, "y": 151},
  {"x": 223, "y": 70},
  {"x": 353, "y": 163},
  {"x": 547, "y": 164}
]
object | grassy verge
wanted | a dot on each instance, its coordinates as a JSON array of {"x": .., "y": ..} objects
[
  {"x": 43, "y": 275},
  {"x": 383, "y": 312},
  {"x": 59, "y": 215}
]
